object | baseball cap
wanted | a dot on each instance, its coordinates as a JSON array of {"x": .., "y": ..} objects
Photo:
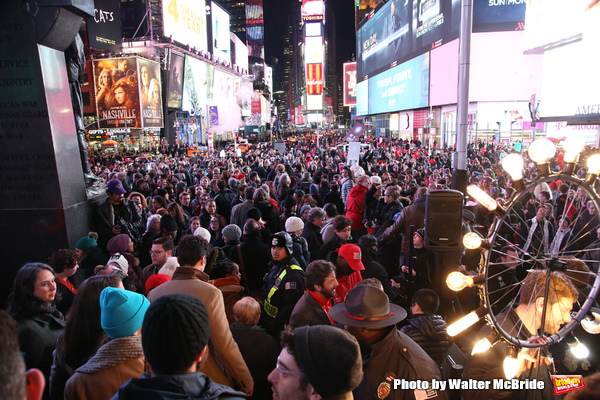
[
  {"x": 115, "y": 186},
  {"x": 352, "y": 255}
]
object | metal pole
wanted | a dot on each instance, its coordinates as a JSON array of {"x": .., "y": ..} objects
[{"x": 460, "y": 160}]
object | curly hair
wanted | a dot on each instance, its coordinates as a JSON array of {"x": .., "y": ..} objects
[
  {"x": 63, "y": 259},
  {"x": 534, "y": 287}
]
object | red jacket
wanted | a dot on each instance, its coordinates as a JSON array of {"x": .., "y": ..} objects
[{"x": 355, "y": 207}]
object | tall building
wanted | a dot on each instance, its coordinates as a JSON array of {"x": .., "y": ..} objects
[{"x": 237, "y": 11}]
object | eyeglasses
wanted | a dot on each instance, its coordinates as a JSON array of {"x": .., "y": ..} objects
[
  {"x": 279, "y": 370},
  {"x": 155, "y": 253}
]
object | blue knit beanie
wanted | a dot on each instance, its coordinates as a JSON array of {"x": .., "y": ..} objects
[
  {"x": 85, "y": 243},
  {"x": 122, "y": 312}
]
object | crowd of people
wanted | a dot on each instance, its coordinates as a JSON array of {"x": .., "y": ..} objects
[{"x": 295, "y": 275}]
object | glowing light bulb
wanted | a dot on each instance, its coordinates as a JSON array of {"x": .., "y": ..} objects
[
  {"x": 481, "y": 346},
  {"x": 593, "y": 164},
  {"x": 472, "y": 241},
  {"x": 541, "y": 151},
  {"x": 578, "y": 349},
  {"x": 482, "y": 197},
  {"x": 591, "y": 322},
  {"x": 457, "y": 281},
  {"x": 573, "y": 146},
  {"x": 462, "y": 324},
  {"x": 511, "y": 363},
  {"x": 513, "y": 164}
]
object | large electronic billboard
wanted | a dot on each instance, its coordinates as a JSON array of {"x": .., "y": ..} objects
[
  {"x": 104, "y": 28},
  {"x": 403, "y": 30},
  {"x": 362, "y": 98},
  {"x": 349, "y": 84},
  {"x": 498, "y": 15},
  {"x": 175, "y": 79},
  {"x": 197, "y": 87},
  {"x": 314, "y": 78},
  {"x": 185, "y": 22},
  {"x": 313, "y": 10},
  {"x": 150, "y": 93},
  {"x": 221, "y": 47},
  {"x": 403, "y": 87}
]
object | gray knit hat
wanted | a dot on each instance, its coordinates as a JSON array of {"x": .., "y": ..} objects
[
  {"x": 232, "y": 232},
  {"x": 329, "y": 357},
  {"x": 174, "y": 333}
]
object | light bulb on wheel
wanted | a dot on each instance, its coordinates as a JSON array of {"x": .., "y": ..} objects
[
  {"x": 511, "y": 363},
  {"x": 465, "y": 322},
  {"x": 573, "y": 147},
  {"x": 482, "y": 197},
  {"x": 457, "y": 281},
  {"x": 591, "y": 322},
  {"x": 593, "y": 164},
  {"x": 472, "y": 240},
  {"x": 513, "y": 164},
  {"x": 541, "y": 151},
  {"x": 578, "y": 349}
]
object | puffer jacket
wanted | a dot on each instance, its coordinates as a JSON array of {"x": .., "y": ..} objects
[
  {"x": 429, "y": 332},
  {"x": 355, "y": 208},
  {"x": 384, "y": 218},
  {"x": 411, "y": 215}
]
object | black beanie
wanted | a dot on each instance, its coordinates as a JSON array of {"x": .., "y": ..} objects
[
  {"x": 174, "y": 332},
  {"x": 329, "y": 357},
  {"x": 290, "y": 202},
  {"x": 167, "y": 223}
]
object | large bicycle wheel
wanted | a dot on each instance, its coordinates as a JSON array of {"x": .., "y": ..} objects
[{"x": 504, "y": 269}]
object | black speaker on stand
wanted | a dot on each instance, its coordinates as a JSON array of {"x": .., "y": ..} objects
[{"x": 443, "y": 220}]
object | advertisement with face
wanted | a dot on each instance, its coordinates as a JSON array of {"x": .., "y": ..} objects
[
  {"x": 403, "y": 87},
  {"x": 220, "y": 33},
  {"x": 117, "y": 93},
  {"x": 198, "y": 81},
  {"x": 402, "y": 30},
  {"x": 175, "y": 80},
  {"x": 150, "y": 93}
]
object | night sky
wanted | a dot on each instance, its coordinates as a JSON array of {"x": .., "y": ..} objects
[{"x": 276, "y": 23}]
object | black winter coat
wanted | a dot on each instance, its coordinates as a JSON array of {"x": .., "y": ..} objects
[{"x": 429, "y": 332}]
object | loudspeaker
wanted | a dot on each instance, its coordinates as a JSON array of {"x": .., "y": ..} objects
[{"x": 443, "y": 220}]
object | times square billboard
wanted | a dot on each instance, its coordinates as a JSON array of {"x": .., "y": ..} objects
[
  {"x": 349, "y": 84},
  {"x": 128, "y": 93},
  {"x": 185, "y": 22},
  {"x": 401, "y": 30}
]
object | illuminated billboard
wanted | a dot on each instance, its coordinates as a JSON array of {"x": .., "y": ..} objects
[
  {"x": 362, "y": 98},
  {"x": 175, "y": 79},
  {"x": 313, "y": 29},
  {"x": 104, "y": 28},
  {"x": 150, "y": 93},
  {"x": 197, "y": 87},
  {"x": 240, "y": 52},
  {"x": 349, "y": 84},
  {"x": 185, "y": 22},
  {"x": 313, "y": 10},
  {"x": 314, "y": 78},
  {"x": 399, "y": 32},
  {"x": 313, "y": 49},
  {"x": 314, "y": 102},
  {"x": 117, "y": 92},
  {"x": 498, "y": 16},
  {"x": 403, "y": 87},
  {"x": 221, "y": 47},
  {"x": 255, "y": 28}
]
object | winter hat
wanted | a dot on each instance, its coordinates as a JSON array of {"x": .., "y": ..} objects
[
  {"x": 203, "y": 233},
  {"x": 293, "y": 224},
  {"x": 175, "y": 331},
  {"x": 181, "y": 185},
  {"x": 118, "y": 244},
  {"x": 116, "y": 265},
  {"x": 254, "y": 213},
  {"x": 320, "y": 351},
  {"x": 122, "y": 311},
  {"x": 304, "y": 207},
  {"x": 232, "y": 232},
  {"x": 85, "y": 243},
  {"x": 289, "y": 202},
  {"x": 167, "y": 223},
  {"x": 240, "y": 176},
  {"x": 233, "y": 183},
  {"x": 421, "y": 233},
  {"x": 155, "y": 281},
  {"x": 376, "y": 180},
  {"x": 161, "y": 192}
]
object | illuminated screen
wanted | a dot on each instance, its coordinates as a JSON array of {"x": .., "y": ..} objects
[
  {"x": 314, "y": 102},
  {"x": 313, "y": 49},
  {"x": 349, "y": 84},
  {"x": 220, "y": 33},
  {"x": 397, "y": 33},
  {"x": 312, "y": 10},
  {"x": 314, "y": 78},
  {"x": 313, "y": 29},
  {"x": 362, "y": 98},
  {"x": 185, "y": 22},
  {"x": 403, "y": 87}
]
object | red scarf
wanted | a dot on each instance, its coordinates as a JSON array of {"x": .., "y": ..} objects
[
  {"x": 325, "y": 304},
  {"x": 68, "y": 285}
]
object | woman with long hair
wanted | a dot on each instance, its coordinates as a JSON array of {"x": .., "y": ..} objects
[
  {"x": 217, "y": 223},
  {"x": 31, "y": 304},
  {"x": 177, "y": 213},
  {"x": 194, "y": 224},
  {"x": 104, "y": 97},
  {"x": 83, "y": 333}
]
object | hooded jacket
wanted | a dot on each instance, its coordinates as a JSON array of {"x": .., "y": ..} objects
[
  {"x": 194, "y": 386},
  {"x": 429, "y": 332},
  {"x": 411, "y": 215}
]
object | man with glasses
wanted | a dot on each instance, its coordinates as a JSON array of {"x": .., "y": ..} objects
[
  {"x": 317, "y": 362},
  {"x": 162, "y": 249}
]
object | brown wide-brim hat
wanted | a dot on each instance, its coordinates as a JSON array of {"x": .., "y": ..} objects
[{"x": 367, "y": 307}]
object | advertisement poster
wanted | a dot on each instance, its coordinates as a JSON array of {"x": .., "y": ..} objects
[
  {"x": 349, "y": 84},
  {"x": 175, "y": 83},
  {"x": 185, "y": 22},
  {"x": 402, "y": 30},
  {"x": 220, "y": 33},
  {"x": 403, "y": 87},
  {"x": 150, "y": 93},
  {"x": 117, "y": 92},
  {"x": 197, "y": 87},
  {"x": 104, "y": 29}
]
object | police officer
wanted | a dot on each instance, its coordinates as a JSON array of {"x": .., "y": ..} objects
[{"x": 284, "y": 284}]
